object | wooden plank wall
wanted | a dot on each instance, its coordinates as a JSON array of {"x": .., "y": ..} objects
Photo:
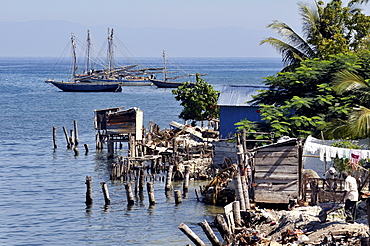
[
  {"x": 276, "y": 174},
  {"x": 222, "y": 149}
]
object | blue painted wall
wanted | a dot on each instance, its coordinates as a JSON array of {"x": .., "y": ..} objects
[{"x": 229, "y": 115}]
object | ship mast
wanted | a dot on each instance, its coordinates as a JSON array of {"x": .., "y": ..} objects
[
  {"x": 88, "y": 48},
  {"x": 110, "y": 54},
  {"x": 74, "y": 57},
  {"x": 164, "y": 66}
]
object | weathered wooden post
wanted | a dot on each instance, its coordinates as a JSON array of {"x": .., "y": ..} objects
[
  {"x": 55, "y": 137},
  {"x": 191, "y": 235},
  {"x": 71, "y": 140},
  {"x": 86, "y": 149},
  {"x": 89, "y": 199},
  {"x": 105, "y": 192},
  {"x": 169, "y": 178},
  {"x": 130, "y": 195},
  {"x": 99, "y": 144},
  {"x": 197, "y": 195},
  {"x": 67, "y": 138},
  {"x": 186, "y": 179},
  {"x": 137, "y": 180},
  {"x": 76, "y": 131},
  {"x": 75, "y": 149},
  {"x": 236, "y": 213},
  {"x": 239, "y": 190},
  {"x": 245, "y": 191},
  {"x": 222, "y": 226},
  {"x": 178, "y": 198},
  {"x": 141, "y": 180},
  {"x": 110, "y": 148},
  {"x": 150, "y": 188},
  {"x": 210, "y": 234}
]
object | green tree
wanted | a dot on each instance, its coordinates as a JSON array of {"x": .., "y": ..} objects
[
  {"x": 303, "y": 101},
  {"x": 327, "y": 30},
  {"x": 199, "y": 101}
]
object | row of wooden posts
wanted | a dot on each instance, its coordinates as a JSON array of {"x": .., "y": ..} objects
[
  {"x": 139, "y": 188},
  {"x": 71, "y": 139}
]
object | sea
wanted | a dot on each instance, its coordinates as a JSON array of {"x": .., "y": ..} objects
[{"x": 42, "y": 189}]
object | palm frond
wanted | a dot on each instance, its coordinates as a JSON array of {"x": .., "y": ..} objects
[
  {"x": 310, "y": 18},
  {"x": 292, "y": 38},
  {"x": 359, "y": 123},
  {"x": 354, "y": 2},
  {"x": 289, "y": 53},
  {"x": 346, "y": 81}
]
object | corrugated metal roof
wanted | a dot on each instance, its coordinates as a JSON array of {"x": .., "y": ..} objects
[{"x": 238, "y": 95}]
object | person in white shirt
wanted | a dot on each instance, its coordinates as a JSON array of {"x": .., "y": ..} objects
[
  {"x": 330, "y": 175},
  {"x": 350, "y": 196}
]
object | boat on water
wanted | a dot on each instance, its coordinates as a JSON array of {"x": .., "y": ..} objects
[
  {"x": 109, "y": 78},
  {"x": 79, "y": 84},
  {"x": 125, "y": 75},
  {"x": 168, "y": 82}
]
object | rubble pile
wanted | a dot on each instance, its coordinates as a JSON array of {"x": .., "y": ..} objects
[{"x": 300, "y": 226}]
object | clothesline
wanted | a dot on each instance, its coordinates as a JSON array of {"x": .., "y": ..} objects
[{"x": 329, "y": 152}]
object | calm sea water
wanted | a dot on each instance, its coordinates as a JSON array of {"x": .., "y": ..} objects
[{"x": 42, "y": 191}]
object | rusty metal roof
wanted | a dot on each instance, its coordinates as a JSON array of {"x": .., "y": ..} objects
[{"x": 238, "y": 95}]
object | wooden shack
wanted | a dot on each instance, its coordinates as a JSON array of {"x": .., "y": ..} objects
[
  {"x": 115, "y": 121},
  {"x": 278, "y": 172}
]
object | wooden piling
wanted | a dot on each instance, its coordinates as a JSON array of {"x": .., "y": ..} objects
[
  {"x": 222, "y": 226},
  {"x": 55, "y": 137},
  {"x": 196, "y": 193},
  {"x": 210, "y": 234},
  {"x": 150, "y": 188},
  {"x": 86, "y": 149},
  {"x": 169, "y": 178},
  {"x": 239, "y": 190},
  {"x": 89, "y": 199},
  {"x": 236, "y": 214},
  {"x": 110, "y": 149},
  {"x": 98, "y": 143},
  {"x": 129, "y": 194},
  {"x": 178, "y": 196},
  {"x": 105, "y": 192},
  {"x": 67, "y": 137},
  {"x": 75, "y": 131},
  {"x": 141, "y": 180},
  {"x": 191, "y": 235},
  {"x": 186, "y": 179},
  {"x": 71, "y": 136},
  {"x": 75, "y": 149},
  {"x": 245, "y": 191}
]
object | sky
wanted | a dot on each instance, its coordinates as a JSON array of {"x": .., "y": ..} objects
[
  {"x": 190, "y": 14},
  {"x": 250, "y": 15}
]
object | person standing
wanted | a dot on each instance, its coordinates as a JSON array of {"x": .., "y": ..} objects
[
  {"x": 330, "y": 176},
  {"x": 350, "y": 197}
]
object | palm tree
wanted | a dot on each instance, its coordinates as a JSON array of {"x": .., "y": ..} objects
[
  {"x": 326, "y": 30},
  {"x": 358, "y": 123},
  {"x": 296, "y": 48}
]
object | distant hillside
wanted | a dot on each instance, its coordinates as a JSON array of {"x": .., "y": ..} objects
[{"x": 49, "y": 38}]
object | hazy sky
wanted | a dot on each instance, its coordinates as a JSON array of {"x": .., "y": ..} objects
[
  {"x": 190, "y": 14},
  {"x": 251, "y": 15}
]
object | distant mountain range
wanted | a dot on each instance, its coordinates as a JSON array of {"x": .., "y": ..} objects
[{"x": 49, "y": 38}]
